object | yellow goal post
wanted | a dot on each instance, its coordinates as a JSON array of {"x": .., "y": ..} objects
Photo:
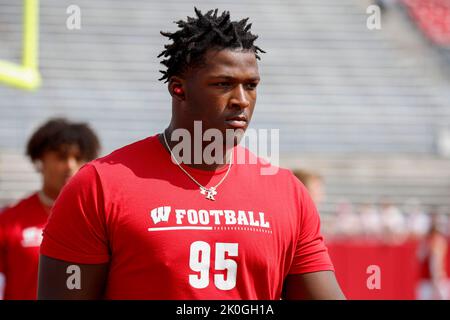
[{"x": 25, "y": 76}]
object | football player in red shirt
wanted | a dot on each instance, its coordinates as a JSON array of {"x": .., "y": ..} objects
[
  {"x": 139, "y": 224},
  {"x": 58, "y": 149}
]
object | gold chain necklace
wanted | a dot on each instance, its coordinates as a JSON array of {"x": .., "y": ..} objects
[{"x": 208, "y": 192}]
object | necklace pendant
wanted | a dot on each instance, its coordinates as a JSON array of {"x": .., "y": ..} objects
[{"x": 210, "y": 193}]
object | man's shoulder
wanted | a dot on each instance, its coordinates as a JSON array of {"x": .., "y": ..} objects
[
  {"x": 135, "y": 148},
  {"x": 132, "y": 155},
  {"x": 138, "y": 159}
]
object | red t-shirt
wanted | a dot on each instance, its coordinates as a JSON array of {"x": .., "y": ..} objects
[
  {"x": 164, "y": 240},
  {"x": 20, "y": 237}
]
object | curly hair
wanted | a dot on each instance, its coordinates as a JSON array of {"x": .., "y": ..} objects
[
  {"x": 197, "y": 35},
  {"x": 59, "y": 133}
]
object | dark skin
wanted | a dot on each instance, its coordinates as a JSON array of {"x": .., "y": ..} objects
[{"x": 223, "y": 87}]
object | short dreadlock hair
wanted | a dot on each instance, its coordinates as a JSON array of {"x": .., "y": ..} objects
[
  {"x": 197, "y": 35},
  {"x": 57, "y": 134}
]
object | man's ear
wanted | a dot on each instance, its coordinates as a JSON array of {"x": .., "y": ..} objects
[{"x": 176, "y": 88}]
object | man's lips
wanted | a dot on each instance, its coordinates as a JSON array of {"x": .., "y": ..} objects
[{"x": 240, "y": 121}]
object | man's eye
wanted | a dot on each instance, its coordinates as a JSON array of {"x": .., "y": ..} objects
[
  {"x": 252, "y": 86},
  {"x": 222, "y": 84}
]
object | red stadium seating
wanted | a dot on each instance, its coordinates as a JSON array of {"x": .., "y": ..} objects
[{"x": 433, "y": 18}]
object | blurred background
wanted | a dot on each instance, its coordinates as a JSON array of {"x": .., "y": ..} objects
[{"x": 365, "y": 107}]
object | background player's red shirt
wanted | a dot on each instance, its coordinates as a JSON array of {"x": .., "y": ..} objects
[
  {"x": 20, "y": 237},
  {"x": 136, "y": 210}
]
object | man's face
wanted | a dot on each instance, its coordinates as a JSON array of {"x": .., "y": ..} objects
[
  {"x": 59, "y": 166},
  {"x": 316, "y": 190},
  {"x": 222, "y": 92}
]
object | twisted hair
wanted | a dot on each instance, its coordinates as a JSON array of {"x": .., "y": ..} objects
[{"x": 197, "y": 35}]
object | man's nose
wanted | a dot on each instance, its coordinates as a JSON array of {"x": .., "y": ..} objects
[
  {"x": 72, "y": 164},
  {"x": 239, "y": 98}
]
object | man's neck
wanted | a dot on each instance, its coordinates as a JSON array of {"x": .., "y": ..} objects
[
  {"x": 45, "y": 199},
  {"x": 216, "y": 165}
]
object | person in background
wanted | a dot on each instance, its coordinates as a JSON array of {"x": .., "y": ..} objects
[
  {"x": 313, "y": 182},
  {"x": 57, "y": 149},
  {"x": 434, "y": 284}
]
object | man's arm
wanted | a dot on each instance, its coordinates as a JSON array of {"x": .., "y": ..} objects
[
  {"x": 2, "y": 261},
  {"x": 58, "y": 280},
  {"x": 320, "y": 285},
  {"x": 2, "y": 285}
]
